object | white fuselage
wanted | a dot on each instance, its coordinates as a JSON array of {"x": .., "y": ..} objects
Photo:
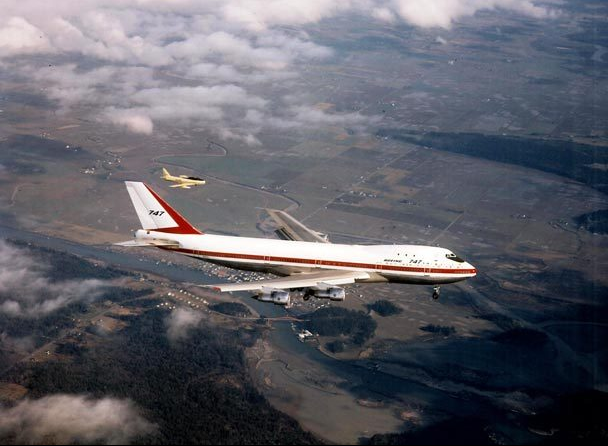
[{"x": 383, "y": 263}]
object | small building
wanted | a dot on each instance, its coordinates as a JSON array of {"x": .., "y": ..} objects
[{"x": 304, "y": 334}]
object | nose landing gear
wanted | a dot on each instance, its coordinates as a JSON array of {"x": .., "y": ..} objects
[{"x": 436, "y": 291}]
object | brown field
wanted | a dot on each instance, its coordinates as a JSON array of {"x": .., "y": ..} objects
[{"x": 10, "y": 392}]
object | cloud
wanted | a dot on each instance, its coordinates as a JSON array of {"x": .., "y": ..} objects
[
  {"x": 131, "y": 120},
  {"x": 24, "y": 344},
  {"x": 383, "y": 14},
  {"x": 215, "y": 106},
  {"x": 271, "y": 51},
  {"x": 26, "y": 291},
  {"x": 307, "y": 116},
  {"x": 193, "y": 100},
  {"x": 258, "y": 15},
  {"x": 120, "y": 30},
  {"x": 19, "y": 37},
  {"x": 109, "y": 85},
  {"x": 311, "y": 116},
  {"x": 222, "y": 73},
  {"x": 180, "y": 322},
  {"x": 67, "y": 419},
  {"x": 443, "y": 13},
  {"x": 147, "y": 64}
]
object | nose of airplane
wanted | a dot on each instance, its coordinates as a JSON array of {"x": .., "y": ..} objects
[{"x": 472, "y": 270}]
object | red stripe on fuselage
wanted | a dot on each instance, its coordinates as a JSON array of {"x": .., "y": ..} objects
[{"x": 317, "y": 263}]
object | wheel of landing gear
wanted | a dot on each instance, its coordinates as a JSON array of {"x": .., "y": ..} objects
[{"x": 436, "y": 290}]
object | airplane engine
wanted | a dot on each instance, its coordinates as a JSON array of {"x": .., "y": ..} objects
[
  {"x": 333, "y": 293},
  {"x": 277, "y": 297}
]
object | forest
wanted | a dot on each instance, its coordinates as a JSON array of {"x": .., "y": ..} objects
[
  {"x": 231, "y": 309},
  {"x": 385, "y": 308},
  {"x": 196, "y": 390},
  {"x": 336, "y": 321},
  {"x": 566, "y": 158}
]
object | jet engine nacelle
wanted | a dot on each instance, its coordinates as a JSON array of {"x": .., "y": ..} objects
[
  {"x": 277, "y": 297},
  {"x": 333, "y": 293}
]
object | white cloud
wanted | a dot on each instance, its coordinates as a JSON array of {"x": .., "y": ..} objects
[
  {"x": 222, "y": 73},
  {"x": 130, "y": 119},
  {"x": 271, "y": 51},
  {"x": 202, "y": 63},
  {"x": 180, "y": 322},
  {"x": 443, "y": 13},
  {"x": 26, "y": 291},
  {"x": 189, "y": 99},
  {"x": 305, "y": 117},
  {"x": 257, "y": 15},
  {"x": 120, "y": 28},
  {"x": 311, "y": 115},
  {"x": 189, "y": 105},
  {"x": 68, "y": 419},
  {"x": 108, "y": 85},
  {"x": 383, "y": 14},
  {"x": 19, "y": 36}
]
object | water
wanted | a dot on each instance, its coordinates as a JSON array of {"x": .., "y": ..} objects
[{"x": 360, "y": 377}]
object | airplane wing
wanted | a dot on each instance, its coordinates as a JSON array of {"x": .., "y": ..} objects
[
  {"x": 297, "y": 280},
  {"x": 157, "y": 242},
  {"x": 182, "y": 186},
  {"x": 291, "y": 229}
]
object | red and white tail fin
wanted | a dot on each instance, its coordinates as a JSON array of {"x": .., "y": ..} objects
[{"x": 154, "y": 213}]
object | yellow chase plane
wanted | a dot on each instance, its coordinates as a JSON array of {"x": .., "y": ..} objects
[{"x": 183, "y": 181}]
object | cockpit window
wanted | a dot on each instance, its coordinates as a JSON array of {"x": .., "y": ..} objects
[{"x": 454, "y": 257}]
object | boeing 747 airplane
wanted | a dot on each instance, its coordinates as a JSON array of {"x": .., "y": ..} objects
[{"x": 317, "y": 267}]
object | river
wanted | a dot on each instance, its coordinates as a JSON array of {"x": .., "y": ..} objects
[{"x": 362, "y": 378}]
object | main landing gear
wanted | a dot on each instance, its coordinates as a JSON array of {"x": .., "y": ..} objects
[{"x": 436, "y": 291}]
